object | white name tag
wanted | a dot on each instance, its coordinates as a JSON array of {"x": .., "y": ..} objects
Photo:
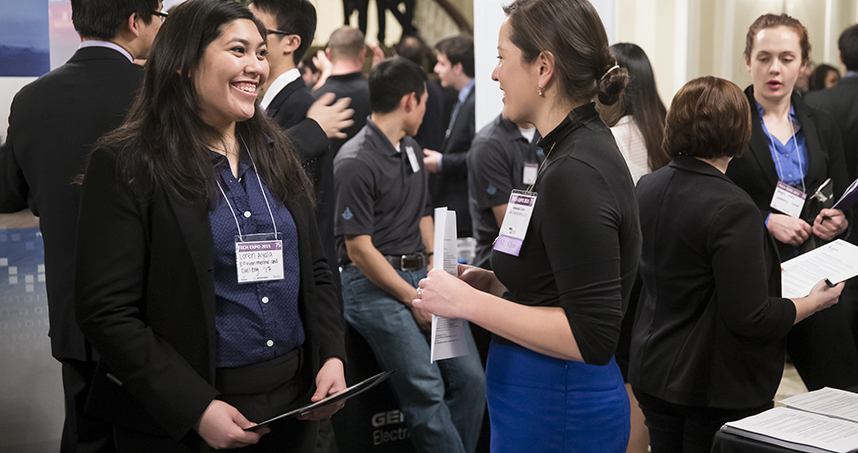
[
  {"x": 259, "y": 258},
  {"x": 412, "y": 159},
  {"x": 788, "y": 199},
  {"x": 515, "y": 222},
  {"x": 529, "y": 176}
]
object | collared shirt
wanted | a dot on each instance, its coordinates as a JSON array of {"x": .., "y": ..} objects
[
  {"x": 790, "y": 158},
  {"x": 495, "y": 168},
  {"x": 379, "y": 194},
  {"x": 108, "y": 44},
  {"x": 631, "y": 143},
  {"x": 466, "y": 90},
  {"x": 255, "y": 321},
  {"x": 278, "y": 84}
]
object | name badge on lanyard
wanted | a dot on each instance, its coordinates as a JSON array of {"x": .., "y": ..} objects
[
  {"x": 530, "y": 171},
  {"x": 515, "y": 222},
  {"x": 412, "y": 159},
  {"x": 259, "y": 257},
  {"x": 788, "y": 199}
]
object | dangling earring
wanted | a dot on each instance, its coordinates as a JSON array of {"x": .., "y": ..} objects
[{"x": 541, "y": 92}]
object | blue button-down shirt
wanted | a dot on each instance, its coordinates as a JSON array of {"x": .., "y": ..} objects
[
  {"x": 255, "y": 321},
  {"x": 791, "y": 157}
]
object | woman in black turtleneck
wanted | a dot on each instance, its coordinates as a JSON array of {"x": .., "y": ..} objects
[{"x": 552, "y": 382}]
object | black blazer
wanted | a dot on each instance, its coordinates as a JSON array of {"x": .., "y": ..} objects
[
  {"x": 706, "y": 331},
  {"x": 841, "y": 101},
  {"x": 148, "y": 304},
  {"x": 431, "y": 132},
  {"x": 450, "y": 186},
  {"x": 289, "y": 110},
  {"x": 755, "y": 171},
  {"x": 54, "y": 122}
]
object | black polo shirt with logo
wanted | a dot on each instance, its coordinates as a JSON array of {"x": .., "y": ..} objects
[
  {"x": 379, "y": 194},
  {"x": 495, "y": 168}
]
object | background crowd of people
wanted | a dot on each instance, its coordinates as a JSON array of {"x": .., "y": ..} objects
[{"x": 625, "y": 289}]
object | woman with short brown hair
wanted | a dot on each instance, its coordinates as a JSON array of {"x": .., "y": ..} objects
[{"x": 708, "y": 340}]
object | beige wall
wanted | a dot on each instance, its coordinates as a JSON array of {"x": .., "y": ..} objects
[{"x": 690, "y": 38}]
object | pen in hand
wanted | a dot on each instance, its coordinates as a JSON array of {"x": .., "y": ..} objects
[{"x": 828, "y": 282}]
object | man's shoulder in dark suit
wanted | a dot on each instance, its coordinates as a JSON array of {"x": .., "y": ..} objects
[
  {"x": 289, "y": 107},
  {"x": 463, "y": 129},
  {"x": 53, "y": 124},
  {"x": 841, "y": 101}
]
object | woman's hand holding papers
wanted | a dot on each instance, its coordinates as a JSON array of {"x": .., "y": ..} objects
[
  {"x": 481, "y": 279},
  {"x": 821, "y": 297},
  {"x": 444, "y": 295}
]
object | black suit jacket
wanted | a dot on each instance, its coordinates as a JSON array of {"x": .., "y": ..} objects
[
  {"x": 449, "y": 187},
  {"x": 145, "y": 298},
  {"x": 841, "y": 101},
  {"x": 755, "y": 171},
  {"x": 53, "y": 124},
  {"x": 431, "y": 132},
  {"x": 706, "y": 332},
  {"x": 289, "y": 109}
]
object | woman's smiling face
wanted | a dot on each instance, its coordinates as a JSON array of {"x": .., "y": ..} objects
[
  {"x": 232, "y": 69},
  {"x": 518, "y": 81}
]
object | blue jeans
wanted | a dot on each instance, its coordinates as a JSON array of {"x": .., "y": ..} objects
[{"x": 443, "y": 402}]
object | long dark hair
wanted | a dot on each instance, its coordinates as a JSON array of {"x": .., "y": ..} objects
[
  {"x": 817, "y": 78},
  {"x": 641, "y": 101},
  {"x": 164, "y": 140},
  {"x": 573, "y": 32}
]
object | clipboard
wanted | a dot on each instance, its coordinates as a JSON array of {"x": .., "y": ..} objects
[{"x": 345, "y": 394}]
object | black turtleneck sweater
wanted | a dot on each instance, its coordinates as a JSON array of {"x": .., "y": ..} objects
[{"x": 583, "y": 243}]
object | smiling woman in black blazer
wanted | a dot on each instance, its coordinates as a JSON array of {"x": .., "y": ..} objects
[
  {"x": 190, "y": 356},
  {"x": 708, "y": 340}
]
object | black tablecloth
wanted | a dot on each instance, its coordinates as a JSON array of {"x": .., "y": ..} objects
[{"x": 731, "y": 443}]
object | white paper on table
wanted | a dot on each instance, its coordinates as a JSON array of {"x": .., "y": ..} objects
[
  {"x": 827, "y": 401},
  {"x": 836, "y": 261},
  {"x": 448, "y": 335},
  {"x": 799, "y": 430}
]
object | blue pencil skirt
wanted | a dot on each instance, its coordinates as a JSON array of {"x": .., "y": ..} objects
[{"x": 539, "y": 403}]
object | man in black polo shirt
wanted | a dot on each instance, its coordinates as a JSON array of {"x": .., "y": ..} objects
[
  {"x": 503, "y": 157},
  {"x": 384, "y": 237}
]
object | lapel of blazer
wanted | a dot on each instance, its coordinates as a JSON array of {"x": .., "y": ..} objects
[
  {"x": 280, "y": 99},
  {"x": 299, "y": 216},
  {"x": 815, "y": 154},
  {"x": 456, "y": 128},
  {"x": 759, "y": 145},
  {"x": 193, "y": 219}
]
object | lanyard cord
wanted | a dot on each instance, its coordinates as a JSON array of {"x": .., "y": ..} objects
[
  {"x": 240, "y": 237},
  {"x": 539, "y": 170},
  {"x": 779, "y": 168},
  {"x": 256, "y": 170}
]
